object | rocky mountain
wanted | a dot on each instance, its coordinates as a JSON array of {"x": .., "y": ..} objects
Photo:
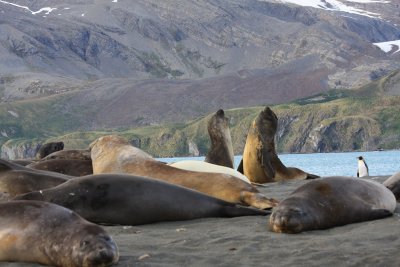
[{"x": 110, "y": 64}]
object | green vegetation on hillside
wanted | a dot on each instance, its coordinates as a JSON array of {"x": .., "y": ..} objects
[{"x": 362, "y": 119}]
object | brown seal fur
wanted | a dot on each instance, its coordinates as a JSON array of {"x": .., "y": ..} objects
[
  {"x": 393, "y": 183},
  {"x": 16, "y": 179},
  {"x": 221, "y": 150},
  {"x": 79, "y": 154},
  {"x": 260, "y": 162},
  {"x": 73, "y": 167},
  {"x": 330, "y": 202},
  {"x": 113, "y": 154},
  {"x": 132, "y": 200},
  {"x": 45, "y": 233},
  {"x": 49, "y": 148}
]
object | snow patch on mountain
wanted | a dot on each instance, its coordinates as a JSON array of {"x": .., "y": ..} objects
[
  {"x": 43, "y": 9},
  {"x": 390, "y": 46},
  {"x": 334, "y": 5}
]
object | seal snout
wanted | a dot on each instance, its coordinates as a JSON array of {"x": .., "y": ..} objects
[{"x": 286, "y": 221}]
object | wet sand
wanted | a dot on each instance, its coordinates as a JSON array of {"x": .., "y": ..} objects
[{"x": 246, "y": 241}]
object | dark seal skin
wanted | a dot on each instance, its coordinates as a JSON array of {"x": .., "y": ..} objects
[
  {"x": 79, "y": 154},
  {"x": 73, "y": 167},
  {"x": 393, "y": 184},
  {"x": 221, "y": 150},
  {"x": 16, "y": 179},
  {"x": 330, "y": 202},
  {"x": 45, "y": 233},
  {"x": 48, "y": 148},
  {"x": 113, "y": 154},
  {"x": 133, "y": 200},
  {"x": 260, "y": 162}
]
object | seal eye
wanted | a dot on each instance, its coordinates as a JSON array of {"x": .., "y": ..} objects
[{"x": 84, "y": 244}]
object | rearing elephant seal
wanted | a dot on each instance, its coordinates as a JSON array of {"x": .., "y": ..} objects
[
  {"x": 45, "y": 233},
  {"x": 131, "y": 200},
  {"x": 113, "y": 154},
  {"x": 221, "y": 150},
  {"x": 330, "y": 202},
  {"x": 260, "y": 162}
]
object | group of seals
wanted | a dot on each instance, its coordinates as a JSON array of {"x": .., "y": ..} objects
[
  {"x": 260, "y": 162},
  {"x": 221, "y": 150},
  {"x": 45, "y": 233},
  {"x": 133, "y": 200},
  {"x": 332, "y": 201},
  {"x": 113, "y": 154}
]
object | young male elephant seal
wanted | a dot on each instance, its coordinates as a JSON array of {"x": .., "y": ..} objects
[
  {"x": 133, "y": 200},
  {"x": 16, "y": 179},
  {"x": 73, "y": 167},
  {"x": 260, "y": 162},
  {"x": 221, "y": 150},
  {"x": 45, "y": 233},
  {"x": 49, "y": 148},
  {"x": 113, "y": 154},
  {"x": 330, "y": 202}
]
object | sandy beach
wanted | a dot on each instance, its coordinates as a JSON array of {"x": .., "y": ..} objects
[{"x": 246, "y": 241}]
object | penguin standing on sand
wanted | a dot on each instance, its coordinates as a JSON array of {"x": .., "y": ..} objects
[{"x": 362, "y": 169}]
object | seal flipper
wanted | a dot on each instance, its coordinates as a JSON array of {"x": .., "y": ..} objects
[
  {"x": 311, "y": 176},
  {"x": 379, "y": 213},
  {"x": 258, "y": 200},
  {"x": 240, "y": 167}
]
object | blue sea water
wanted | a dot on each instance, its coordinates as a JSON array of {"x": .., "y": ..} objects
[{"x": 330, "y": 164}]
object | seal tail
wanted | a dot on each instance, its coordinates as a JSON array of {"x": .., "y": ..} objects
[{"x": 238, "y": 210}]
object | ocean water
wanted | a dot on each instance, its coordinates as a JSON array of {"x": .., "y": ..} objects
[{"x": 331, "y": 164}]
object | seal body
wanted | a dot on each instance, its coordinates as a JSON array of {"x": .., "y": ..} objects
[
  {"x": 393, "y": 184},
  {"x": 49, "y": 148},
  {"x": 113, "y": 154},
  {"x": 16, "y": 179},
  {"x": 73, "y": 167},
  {"x": 77, "y": 154},
  {"x": 133, "y": 200},
  {"x": 260, "y": 162},
  {"x": 45, "y": 233},
  {"x": 330, "y": 202},
  {"x": 201, "y": 166},
  {"x": 221, "y": 150}
]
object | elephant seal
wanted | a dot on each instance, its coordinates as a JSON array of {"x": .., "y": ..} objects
[
  {"x": 393, "y": 184},
  {"x": 113, "y": 154},
  {"x": 221, "y": 150},
  {"x": 133, "y": 200},
  {"x": 22, "y": 162},
  {"x": 16, "y": 179},
  {"x": 49, "y": 148},
  {"x": 330, "y": 202},
  {"x": 45, "y": 233},
  {"x": 202, "y": 166},
  {"x": 79, "y": 154},
  {"x": 73, "y": 167},
  {"x": 260, "y": 162}
]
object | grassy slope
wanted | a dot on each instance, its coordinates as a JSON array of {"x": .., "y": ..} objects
[{"x": 365, "y": 107}]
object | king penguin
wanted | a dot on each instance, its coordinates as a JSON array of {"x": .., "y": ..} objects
[{"x": 362, "y": 169}]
